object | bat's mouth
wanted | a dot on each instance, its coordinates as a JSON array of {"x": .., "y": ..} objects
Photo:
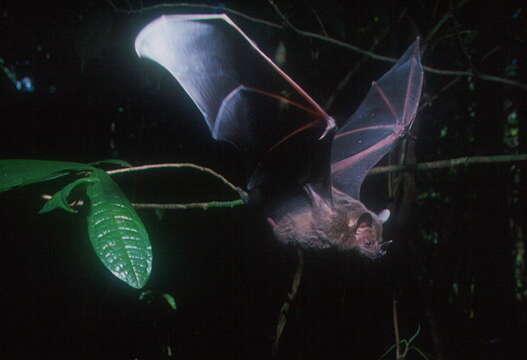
[
  {"x": 376, "y": 251},
  {"x": 385, "y": 245}
]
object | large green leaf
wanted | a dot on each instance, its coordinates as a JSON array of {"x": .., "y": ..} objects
[
  {"x": 117, "y": 233},
  {"x": 20, "y": 172}
]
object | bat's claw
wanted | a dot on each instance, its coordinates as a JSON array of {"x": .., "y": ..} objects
[
  {"x": 330, "y": 126},
  {"x": 243, "y": 195}
]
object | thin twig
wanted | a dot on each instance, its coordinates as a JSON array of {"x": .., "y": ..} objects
[
  {"x": 281, "y": 15},
  {"x": 320, "y": 23},
  {"x": 467, "y": 160},
  {"x": 396, "y": 328},
  {"x": 490, "y": 52},
  {"x": 442, "y": 90},
  {"x": 242, "y": 193},
  {"x": 436, "y": 28},
  {"x": 198, "y": 205},
  {"x": 295, "y": 284},
  {"x": 443, "y": 20}
]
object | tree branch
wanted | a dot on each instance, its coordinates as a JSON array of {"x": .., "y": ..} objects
[
  {"x": 449, "y": 163},
  {"x": 244, "y": 196},
  {"x": 295, "y": 284},
  {"x": 220, "y": 177}
]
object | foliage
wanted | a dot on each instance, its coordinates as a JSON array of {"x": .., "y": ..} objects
[{"x": 116, "y": 232}]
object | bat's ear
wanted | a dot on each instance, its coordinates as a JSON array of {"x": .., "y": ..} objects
[
  {"x": 384, "y": 215},
  {"x": 365, "y": 220}
]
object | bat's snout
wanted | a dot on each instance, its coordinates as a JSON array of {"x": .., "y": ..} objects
[{"x": 374, "y": 249}]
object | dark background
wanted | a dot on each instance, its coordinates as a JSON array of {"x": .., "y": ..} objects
[{"x": 73, "y": 89}]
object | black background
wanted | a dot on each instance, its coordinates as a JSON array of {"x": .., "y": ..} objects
[{"x": 453, "y": 265}]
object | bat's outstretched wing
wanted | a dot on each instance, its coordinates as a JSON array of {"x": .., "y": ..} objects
[
  {"x": 385, "y": 115},
  {"x": 244, "y": 97}
]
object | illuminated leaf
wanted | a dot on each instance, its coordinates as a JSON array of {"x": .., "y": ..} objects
[
  {"x": 20, "y": 172},
  {"x": 117, "y": 233}
]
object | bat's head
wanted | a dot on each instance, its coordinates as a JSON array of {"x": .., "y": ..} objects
[
  {"x": 354, "y": 227},
  {"x": 343, "y": 222},
  {"x": 365, "y": 235}
]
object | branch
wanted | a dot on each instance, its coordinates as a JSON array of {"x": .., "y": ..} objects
[
  {"x": 282, "y": 318},
  {"x": 396, "y": 328},
  {"x": 467, "y": 160},
  {"x": 220, "y": 177},
  {"x": 199, "y": 205},
  {"x": 244, "y": 196},
  {"x": 320, "y": 37}
]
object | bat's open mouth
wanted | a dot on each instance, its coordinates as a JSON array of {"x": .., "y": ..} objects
[
  {"x": 383, "y": 247},
  {"x": 376, "y": 251}
]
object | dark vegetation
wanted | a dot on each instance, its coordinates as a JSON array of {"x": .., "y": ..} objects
[{"x": 73, "y": 89}]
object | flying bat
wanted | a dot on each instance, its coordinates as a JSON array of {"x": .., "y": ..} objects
[{"x": 310, "y": 171}]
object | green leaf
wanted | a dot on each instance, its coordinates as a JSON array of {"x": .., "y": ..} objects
[
  {"x": 117, "y": 233},
  {"x": 170, "y": 300},
  {"x": 59, "y": 200},
  {"x": 20, "y": 172}
]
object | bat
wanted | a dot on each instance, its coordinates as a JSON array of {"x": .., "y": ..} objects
[{"x": 310, "y": 171}]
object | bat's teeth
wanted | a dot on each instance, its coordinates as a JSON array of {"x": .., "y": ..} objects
[{"x": 386, "y": 244}]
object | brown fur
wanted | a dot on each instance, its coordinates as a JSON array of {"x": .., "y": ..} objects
[{"x": 344, "y": 223}]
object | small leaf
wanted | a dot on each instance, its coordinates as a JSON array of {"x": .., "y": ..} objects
[
  {"x": 20, "y": 172},
  {"x": 59, "y": 200},
  {"x": 146, "y": 296},
  {"x": 117, "y": 233},
  {"x": 170, "y": 300}
]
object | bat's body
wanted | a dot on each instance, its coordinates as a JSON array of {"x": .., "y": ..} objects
[
  {"x": 345, "y": 224},
  {"x": 250, "y": 102}
]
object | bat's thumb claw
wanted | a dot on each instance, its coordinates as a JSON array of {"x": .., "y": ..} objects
[
  {"x": 243, "y": 195},
  {"x": 330, "y": 126}
]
